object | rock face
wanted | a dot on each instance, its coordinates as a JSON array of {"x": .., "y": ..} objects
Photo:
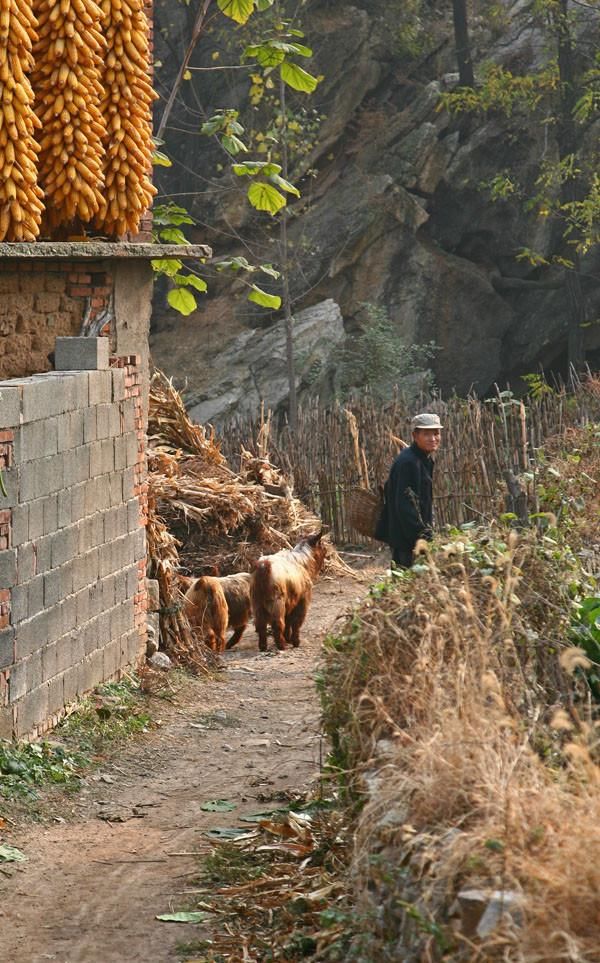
[
  {"x": 393, "y": 214},
  {"x": 253, "y": 367}
]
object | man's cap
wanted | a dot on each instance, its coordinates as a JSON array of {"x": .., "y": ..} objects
[{"x": 426, "y": 420}]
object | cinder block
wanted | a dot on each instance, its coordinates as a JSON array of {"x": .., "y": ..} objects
[
  {"x": 19, "y": 603},
  {"x": 64, "y": 545},
  {"x": 90, "y": 425},
  {"x": 68, "y": 611},
  {"x": 81, "y": 354},
  {"x": 81, "y": 391},
  {"x": 42, "y": 558},
  {"x": 64, "y": 508},
  {"x": 34, "y": 634},
  {"x": 120, "y": 453},
  {"x": 103, "y": 622},
  {"x": 64, "y": 653},
  {"x": 10, "y": 405},
  {"x": 82, "y": 607},
  {"x": 77, "y": 465},
  {"x": 7, "y": 728},
  {"x": 133, "y": 514},
  {"x": 33, "y": 669},
  {"x": 102, "y": 457},
  {"x": 128, "y": 484},
  {"x": 128, "y": 416},
  {"x": 35, "y": 595},
  {"x": 115, "y": 484},
  {"x": 52, "y": 587},
  {"x": 38, "y": 439},
  {"x": 19, "y": 527},
  {"x": 109, "y": 592},
  {"x": 100, "y": 387},
  {"x": 120, "y": 586},
  {"x": 45, "y": 396},
  {"x": 132, "y": 581},
  {"x": 108, "y": 559},
  {"x": 115, "y": 427},
  {"x": 71, "y": 684},
  {"x": 77, "y": 502},
  {"x": 44, "y": 478},
  {"x": 70, "y": 430},
  {"x": 17, "y": 683},
  {"x": 8, "y": 568},
  {"x": 112, "y": 524},
  {"x": 112, "y": 658},
  {"x": 50, "y": 514},
  {"x": 30, "y": 711},
  {"x": 139, "y": 544},
  {"x": 119, "y": 390},
  {"x": 7, "y": 647},
  {"x": 103, "y": 421},
  {"x": 95, "y": 598},
  {"x": 132, "y": 449},
  {"x": 56, "y": 695},
  {"x": 36, "y": 519},
  {"x": 12, "y": 485}
]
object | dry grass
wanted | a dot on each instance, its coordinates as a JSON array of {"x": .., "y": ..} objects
[{"x": 442, "y": 697}]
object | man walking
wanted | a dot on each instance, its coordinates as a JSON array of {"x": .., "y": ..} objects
[{"x": 409, "y": 490}]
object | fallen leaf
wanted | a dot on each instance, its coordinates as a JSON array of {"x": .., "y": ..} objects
[
  {"x": 192, "y": 917},
  {"x": 218, "y": 806},
  {"x": 8, "y": 854}
]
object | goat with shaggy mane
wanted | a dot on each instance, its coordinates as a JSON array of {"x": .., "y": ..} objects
[{"x": 281, "y": 590}]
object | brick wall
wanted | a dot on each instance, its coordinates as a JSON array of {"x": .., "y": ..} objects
[{"x": 72, "y": 539}]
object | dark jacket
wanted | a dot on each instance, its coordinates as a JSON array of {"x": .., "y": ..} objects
[{"x": 409, "y": 498}]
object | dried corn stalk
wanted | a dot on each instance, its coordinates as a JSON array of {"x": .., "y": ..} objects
[
  {"x": 127, "y": 112},
  {"x": 67, "y": 82},
  {"x": 21, "y": 203}
]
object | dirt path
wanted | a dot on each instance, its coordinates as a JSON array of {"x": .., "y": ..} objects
[{"x": 92, "y": 887}]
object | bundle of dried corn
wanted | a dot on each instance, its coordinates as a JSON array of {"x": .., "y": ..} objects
[
  {"x": 178, "y": 640},
  {"x": 127, "y": 111},
  {"x": 21, "y": 202},
  {"x": 67, "y": 80}
]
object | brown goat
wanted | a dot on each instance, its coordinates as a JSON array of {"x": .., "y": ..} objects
[
  {"x": 236, "y": 589},
  {"x": 206, "y": 607},
  {"x": 281, "y": 590}
]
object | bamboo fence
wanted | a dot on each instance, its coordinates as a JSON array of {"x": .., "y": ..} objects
[{"x": 342, "y": 447}]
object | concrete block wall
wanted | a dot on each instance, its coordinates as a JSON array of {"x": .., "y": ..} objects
[{"x": 72, "y": 539}]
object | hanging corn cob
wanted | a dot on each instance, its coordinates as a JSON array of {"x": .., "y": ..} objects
[
  {"x": 67, "y": 82},
  {"x": 127, "y": 111},
  {"x": 21, "y": 202}
]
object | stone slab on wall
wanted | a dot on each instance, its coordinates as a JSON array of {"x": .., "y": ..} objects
[{"x": 72, "y": 539}]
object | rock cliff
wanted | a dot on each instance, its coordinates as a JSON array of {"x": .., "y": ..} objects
[{"x": 392, "y": 213}]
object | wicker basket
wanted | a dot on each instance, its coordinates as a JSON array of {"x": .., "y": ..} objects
[{"x": 363, "y": 509}]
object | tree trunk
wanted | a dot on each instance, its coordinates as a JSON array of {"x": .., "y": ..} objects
[
  {"x": 284, "y": 264},
  {"x": 462, "y": 44},
  {"x": 570, "y": 190}
]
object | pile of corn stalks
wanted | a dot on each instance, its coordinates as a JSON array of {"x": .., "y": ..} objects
[{"x": 201, "y": 513}]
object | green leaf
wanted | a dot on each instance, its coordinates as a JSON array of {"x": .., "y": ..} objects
[
  {"x": 213, "y": 125},
  {"x": 191, "y": 281},
  {"x": 169, "y": 266},
  {"x": 238, "y": 10},
  {"x": 182, "y": 300},
  {"x": 256, "y": 167},
  {"x": 167, "y": 214},
  {"x": 265, "y": 300},
  {"x": 226, "y": 832},
  {"x": 8, "y": 854},
  {"x": 232, "y": 144},
  {"x": 236, "y": 263},
  {"x": 270, "y": 270},
  {"x": 218, "y": 806},
  {"x": 284, "y": 185},
  {"x": 173, "y": 235},
  {"x": 264, "y": 5},
  {"x": 265, "y": 54},
  {"x": 161, "y": 160},
  {"x": 264, "y": 197},
  {"x": 297, "y": 78},
  {"x": 195, "y": 917}
]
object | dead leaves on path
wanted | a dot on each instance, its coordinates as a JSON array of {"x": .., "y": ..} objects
[{"x": 294, "y": 900}]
